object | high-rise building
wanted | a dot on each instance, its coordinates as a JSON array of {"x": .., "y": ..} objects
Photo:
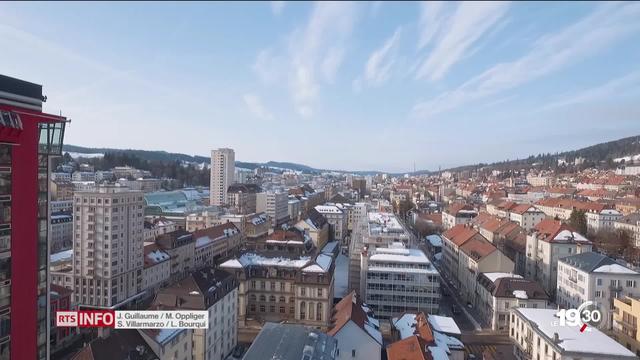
[
  {"x": 28, "y": 137},
  {"x": 108, "y": 246},
  {"x": 223, "y": 169}
]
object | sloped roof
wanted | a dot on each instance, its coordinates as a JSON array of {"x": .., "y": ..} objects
[
  {"x": 589, "y": 261},
  {"x": 350, "y": 308},
  {"x": 477, "y": 248},
  {"x": 459, "y": 234}
]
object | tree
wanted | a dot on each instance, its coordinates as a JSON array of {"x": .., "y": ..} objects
[{"x": 578, "y": 220}]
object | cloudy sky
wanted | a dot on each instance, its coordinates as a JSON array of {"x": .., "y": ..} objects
[{"x": 356, "y": 86}]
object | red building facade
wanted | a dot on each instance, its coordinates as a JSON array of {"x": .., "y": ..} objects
[{"x": 28, "y": 138}]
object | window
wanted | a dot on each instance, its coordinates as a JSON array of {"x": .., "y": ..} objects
[
  {"x": 319, "y": 312},
  {"x": 631, "y": 283},
  {"x": 353, "y": 353},
  {"x": 319, "y": 292},
  {"x": 599, "y": 282},
  {"x": 303, "y": 306}
]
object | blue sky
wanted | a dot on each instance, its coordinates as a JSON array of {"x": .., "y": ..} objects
[{"x": 334, "y": 85}]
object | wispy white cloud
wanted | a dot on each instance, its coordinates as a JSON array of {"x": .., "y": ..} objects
[
  {"x": 268, "y": 66},
  {"x": 617, "y": 87},
  {"x": 590, "y": 35},
  {"x": 454, "y": 37},
  {"x": 378, "y": 68},
  {"x": 277, "y": 7},
  {"x": 432, "y": 20},
  {"x": 317, "y": 52},
  {"x": 256, "y": 107}
]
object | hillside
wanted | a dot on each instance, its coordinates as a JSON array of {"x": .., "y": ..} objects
[
  {"x": 594, "y": 155},
  {"x": 163, "y": 156}
]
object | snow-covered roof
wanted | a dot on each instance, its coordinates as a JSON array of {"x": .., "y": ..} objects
[
  {"x": 493, "y": 276},
  {"x": 322, "y": 264},
  {"x": 166, "y": 334},
  {"x": 567, "y": 234},
  {"x": 405, "y": 325},
  {"x": 61, "y": 256},
  {"x": 157, "y": 256},
  {"x": 520, "y": 294},
  {"x": 249, "y": 259},
  {"x": 412, "y": 256},
  {"x": 330, "y": 247},
  {"x": 375, "y": 333},
  {"x": 233, "y": 263},
  {"x": 592, "y": 341},
  {"x": 443, "y": 324},
  {"x": 435, "y": 240},
  {"x": 614, "y": 269},
  {"x": 328, "y": 209}
]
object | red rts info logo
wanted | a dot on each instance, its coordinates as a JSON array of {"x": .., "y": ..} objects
[{"x": 85, "y": 318}]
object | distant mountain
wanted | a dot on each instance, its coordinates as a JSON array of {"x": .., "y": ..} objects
[
  {"x": 157, "y": 155},
  {"x": 610, "y": 153}
]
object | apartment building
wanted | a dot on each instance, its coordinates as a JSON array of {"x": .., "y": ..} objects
[
  {"x": 202, "y": 220},
  {"x": 602, "y": 220},
  {"x": 61, "y": 237},
  {"x": 215, "y": 243},
  {"x": 625, "y": 322},
  {"x": 294, "y": 209},
  {"x": 274, "y": 204},
  {"x": 562, "y": 208},
  {"x": 157, "y": 226},
  {"x": 548, "y": 242},
  {"x": 108, "y": 246},
  {"x": 61, "y": 206},
  {"x": 223, "y": 168},
  {"x": 452, "y": 240},
  {"x": 83, "y": 176},
  {"x": 457, "y": 214},
  {"x": 497, "y": 293},
  {"x": 536, "y": 336},
  {"x": 424, "y": 336},
  {"x": 214, "y": 291},
  {"x": 292, "y": 282},
  {"x": 316, "y": 226},
  {"x": 631, "y": 224},
  {"x": 594, "y": 277},
  {"x": 337, "y": 217},
  {"x": 241, "y": 198},
  {"x": 180, "y": 245},
  {"x": 256, "y": 226},
  {"x": 355, "y": 329},
  {"x": 475, "y": 256},
  {"x": 302, "y": 342},
  {"x": 527, "y": 216},
  {"x": 165, "y": 344},
  {"x": 396, "y": 279},
  {"x": 157, "y": 267},
  {"x": 61, "y": 190}
]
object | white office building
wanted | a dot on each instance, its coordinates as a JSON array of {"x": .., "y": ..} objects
[
  {"x": 274, "y": 204},
  {"x": 396, "y": 279}
]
